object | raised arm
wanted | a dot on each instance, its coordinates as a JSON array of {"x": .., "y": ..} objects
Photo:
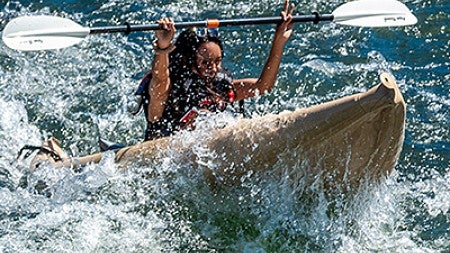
[
  {"x": 160, "y": 83},
  {"x": 249, "y": 87}
]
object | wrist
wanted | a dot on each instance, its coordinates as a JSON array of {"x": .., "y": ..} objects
[{"x": 163, "y": 50}]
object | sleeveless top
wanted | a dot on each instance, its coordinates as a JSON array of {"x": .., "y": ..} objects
[{"x": 188, "y": 93}]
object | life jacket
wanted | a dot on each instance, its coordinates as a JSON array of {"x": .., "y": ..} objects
[{"x": 188, "y": 94}]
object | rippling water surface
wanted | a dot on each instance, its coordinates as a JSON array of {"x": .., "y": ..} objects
[{"x": 82, "y": 92}]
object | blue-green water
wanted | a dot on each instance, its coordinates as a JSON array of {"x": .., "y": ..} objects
[{"x": 82, "y": 92}]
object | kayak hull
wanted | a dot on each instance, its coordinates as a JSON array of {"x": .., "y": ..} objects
[{"x": 344, "y": 142}]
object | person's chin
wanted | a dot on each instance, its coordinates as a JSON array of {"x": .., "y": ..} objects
[{"x": 208, "y": 78}]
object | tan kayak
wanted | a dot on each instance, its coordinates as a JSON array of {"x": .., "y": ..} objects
[{"x": 345, "y": 141}]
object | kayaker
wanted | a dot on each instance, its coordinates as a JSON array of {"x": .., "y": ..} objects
[
  {"x": 188, "y": 76},
  {"x": 199, "y": 82}
]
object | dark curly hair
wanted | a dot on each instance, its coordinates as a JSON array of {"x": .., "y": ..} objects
[{"x": 183, "y": 58}]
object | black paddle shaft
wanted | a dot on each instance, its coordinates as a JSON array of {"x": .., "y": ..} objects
[{"x": 127, "y": 28}]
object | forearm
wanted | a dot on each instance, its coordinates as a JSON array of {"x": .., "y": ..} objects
[
  {"x": 160, "y": 67},
  {"x": 269, "y": 73},
  {"x": 159, "y": 86}
]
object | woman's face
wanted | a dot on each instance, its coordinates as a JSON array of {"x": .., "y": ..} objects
[{"x": 208, "y": 60}]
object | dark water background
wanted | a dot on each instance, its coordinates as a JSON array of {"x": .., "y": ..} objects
[{"x": 80, "y": 93}]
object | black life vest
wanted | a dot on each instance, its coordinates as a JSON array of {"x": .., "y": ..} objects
[{"x": 188, "y": 92}]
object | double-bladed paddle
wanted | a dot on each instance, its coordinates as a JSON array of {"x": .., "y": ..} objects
[{"x": 30, "y": 33}]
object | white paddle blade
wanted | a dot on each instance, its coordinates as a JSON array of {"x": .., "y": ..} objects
[
  {"x": 374, "y": 13},
  {"x": 31, "y": 33}
]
